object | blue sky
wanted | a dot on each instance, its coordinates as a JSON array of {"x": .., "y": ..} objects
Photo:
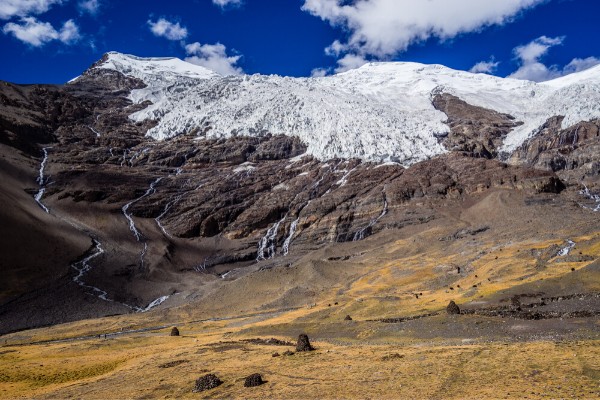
[{"x": 52, "y": 41}]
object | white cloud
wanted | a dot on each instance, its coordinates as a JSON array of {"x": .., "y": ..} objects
[
  {"x": 580, "y": 64},
  {"x": 531, "y": 67},
  {"x": 485, "y": 67},
  {"x": 382, "y": 28},
  {"x": 534, "y": 50},
  {"x": 319, "y": 72},
  {"x": 89, "y": 6},
  {"x": 37, "y": 33},
  {"x": 348, "y": 62},
  {"x": 336, "y": 48},
  {"x": 168, "y": 29},
  {"x": 24, "y": 8},
  {"x": 213, "y": 57},
  {"x": 529, "y": 56},
  {"x": 69, "y": 33},
  {"x": 228, "y": 3}
]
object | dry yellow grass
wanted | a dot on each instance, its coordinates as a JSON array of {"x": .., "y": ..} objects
[
  {"x": 128, "y": 367},
  {"x": 359, "y": 359}
]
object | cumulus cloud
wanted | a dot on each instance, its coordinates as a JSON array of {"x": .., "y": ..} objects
[
  {"x": 69, "y": 33},
  {"x": 319, "y": 72},
  {"x": 531, "y": 67},
  {"x": 382, "y": 28},
  {"x": 213, "y": 57},
  {"x": 24, "y": 8},
  {"x": 168, "y": 29},
  {"x": 227, "y": 3},
  {"x": 348, "y": 62},
  {"x": 529, "y": 56},
  {"x": 89, "y": 6},
  {"x": 485, "y": 67},
  {"x": 37, "y": 33},
  {"x": 580, "y": 64}
]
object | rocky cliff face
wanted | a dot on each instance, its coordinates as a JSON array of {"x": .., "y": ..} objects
[
  {"x": 573, "y": 153},
  {"x": 170, "y": 215}
]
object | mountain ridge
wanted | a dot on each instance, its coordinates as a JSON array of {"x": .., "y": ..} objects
[{"x": 379, "y": 112}]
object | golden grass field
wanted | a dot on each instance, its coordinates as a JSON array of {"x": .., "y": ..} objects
[{"x": 464, "y": 356}]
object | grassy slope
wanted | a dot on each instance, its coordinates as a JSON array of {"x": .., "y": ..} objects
[{"x": 438, "y": 357}]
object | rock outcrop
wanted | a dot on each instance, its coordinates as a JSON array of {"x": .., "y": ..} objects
[
  {"x": 452, "y": 308},
  {"x": 303, "y": 344},
  {"x": 253, "y": 380},
  {"x": 573, "y": 153},
  {"x": 207, "y": 382}
]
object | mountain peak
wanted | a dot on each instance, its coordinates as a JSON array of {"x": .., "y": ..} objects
[{"x": 141, "y": 67}]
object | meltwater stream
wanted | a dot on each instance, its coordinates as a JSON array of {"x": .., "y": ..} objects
[
  {"x": 591, "y": 196},
  {"x": 42, "y": 180},
  {"x": 360, "y": 235},
  {"x": 139, "y": 237}
]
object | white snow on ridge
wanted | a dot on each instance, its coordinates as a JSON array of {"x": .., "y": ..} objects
[{"x": 379, "y": 112}]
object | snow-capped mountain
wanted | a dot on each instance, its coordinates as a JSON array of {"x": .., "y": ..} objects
[{"x": 379, "y": 112}]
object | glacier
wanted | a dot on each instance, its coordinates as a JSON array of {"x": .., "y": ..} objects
[{"x": 379, "y": 112}]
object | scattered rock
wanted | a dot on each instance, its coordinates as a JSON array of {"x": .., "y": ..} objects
[
  {"x": 269, "y": 342},
  {"x": 172, "y": 364},
  {"x": 515, "y": 303},
  {"x": 394, "y": 356},
  {"x": 275, "y": 354},
  {"x": 348, "y": 318},
  {"x": 461, "y": 234},
  {"x": 303, "y": 343},
  {"x": 174, "y": 331},
  {"x": 253, "y": 380},
  {"x": 207, "y": 382},
  {"x": 452, "y": 308},
  {"x": 288, "y": 353}
]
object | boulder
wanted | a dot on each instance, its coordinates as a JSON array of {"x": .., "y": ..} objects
[
  {"x": 452, "y": 308},
  {"x": 207, "y": 382},
  {"x": 253, "y": 380},
  {"x": 303, "y": 343}
]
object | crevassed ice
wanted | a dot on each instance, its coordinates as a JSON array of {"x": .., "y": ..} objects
[{"x": 379, "y": 112}]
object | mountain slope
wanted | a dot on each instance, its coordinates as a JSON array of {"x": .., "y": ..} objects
[
  {"x": 379, "y": 112},
  {"x": 164, "y": 222}
]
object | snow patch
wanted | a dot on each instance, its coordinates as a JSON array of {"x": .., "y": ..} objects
[
  {"x": 567, "y": 249},
  {"x": 155, "y": 303}
]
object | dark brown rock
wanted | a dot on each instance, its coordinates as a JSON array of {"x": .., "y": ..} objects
[
  {"x": 515, "y": 303},
  {"x": 174, "y": 331},
  {"x": 474, "y": 130},
  {"x": 452, "y": 308},
  {"x": 253, "y": 380},
  {"x": 303, "y": 343},
  {"x": 348, "y": 318},
  {"x": 572, "y": 152},
  {"x": 207, "y": 382}
]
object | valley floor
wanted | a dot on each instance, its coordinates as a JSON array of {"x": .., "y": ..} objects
[
  {"x": 528, "y": 327},
  {"x": 155, "y": 365}
]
